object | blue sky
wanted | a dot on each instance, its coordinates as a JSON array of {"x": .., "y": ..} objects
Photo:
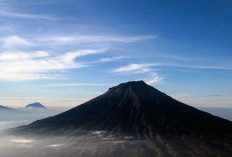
[{"x": 63, "y": 53}]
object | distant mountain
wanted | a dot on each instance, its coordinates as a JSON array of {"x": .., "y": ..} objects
[
  {"x": 5, "y": 108},
  {"x": 139, "y": 110},
  {"x": 35, "y": 105}
]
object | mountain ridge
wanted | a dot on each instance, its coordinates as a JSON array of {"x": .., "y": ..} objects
[{"x": 5, "y": 108}]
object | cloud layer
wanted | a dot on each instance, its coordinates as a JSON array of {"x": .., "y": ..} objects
[
  {"x": 39, "y": 65},
  {"x": 15, "y": 41},
  {"x": 147, "y": 68},
  {"x": 32, "y": 58},
  {"x": 27, "y": 16}
]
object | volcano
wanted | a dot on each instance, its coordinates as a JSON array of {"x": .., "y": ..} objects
[
  {"x": 35, "y": 105},
  {"x": 137, "y": 109}
]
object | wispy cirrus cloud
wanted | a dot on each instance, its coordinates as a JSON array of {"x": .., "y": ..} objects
[
  {"x": 11, "y": 56},
  {"x": 143, "y": 68},
  {"x": 33, "y": 63},
  {"x": 135, "y": 68},
  {"x": 152, "y": 76},
  {"x": 31, "y": 67},
  {"x": 110, "y": 59},
  {"x": 15, "y": 41},
  {"x": 78, "y": 84},
  {"x": 93, "y": 38},
  {"x": 27, "y": 15},
  {"x": 146, "y": 68},
  {"x": 70, "y": 56},
  {"x": 155, "y": 78},
  {"x": 209, "y": 67}
]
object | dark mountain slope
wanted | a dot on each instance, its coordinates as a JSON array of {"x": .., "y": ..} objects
[
  {"x": 135, "y": 107},
  {"x": 142, "y": 111}
]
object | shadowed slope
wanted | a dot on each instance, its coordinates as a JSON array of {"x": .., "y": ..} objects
[
  {"x": 135, "y": 107},
  {"x": 139, "y": 110}
]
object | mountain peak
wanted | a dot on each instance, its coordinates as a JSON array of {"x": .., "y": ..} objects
[
  {"x": 35, "y": 105},
  {"x": 134, "y": 83},
  {"x": 136, "y": 90},
  {"x": 136, "y": 86},
  {"x": 135, "y": 108},
  {"x": 140, "y": 83}
]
